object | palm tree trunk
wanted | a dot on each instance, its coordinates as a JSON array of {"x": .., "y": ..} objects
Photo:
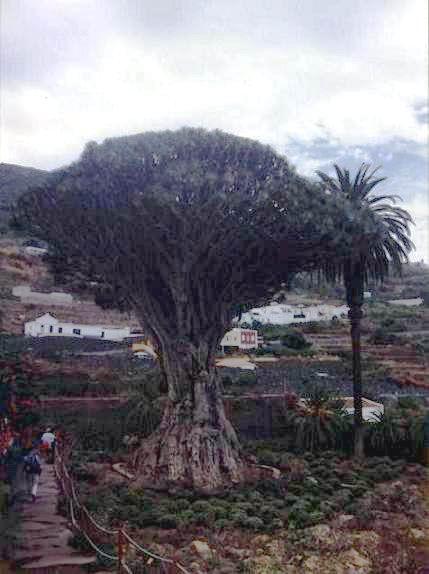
[{"x": 355, "y": 315}]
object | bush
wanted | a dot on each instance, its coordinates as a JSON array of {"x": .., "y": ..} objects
[
  {"x": 382, "y": 337},
  {"x": 295, "y": 340},
  {"x": 221, "y": 524},
  {"x": 227, "y": 381},
  {"x": 409, "y": 403},
  {"x": 247, "y": 379},
  {"x": 253, "y": 522},
  {"x": 396, "y": 434},
  {"x": 186, "y": 517},
  {"x": 167, "y": 521},
  {"x": 391, "y": 324}
]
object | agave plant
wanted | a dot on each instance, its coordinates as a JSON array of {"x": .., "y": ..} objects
[{"x": 373, "y": 237}]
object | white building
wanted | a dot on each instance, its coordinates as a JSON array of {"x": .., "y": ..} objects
[
  {"x": 407, "y": 302},
  {"x": 369, "y": 408},
  {"x": 48, "y": 326},
  {"x": 37, "y": 251},
  {"x": 240, "y": 339},
  {"x": 288, "y": 314},
  {"x": 28, "y": 296}
]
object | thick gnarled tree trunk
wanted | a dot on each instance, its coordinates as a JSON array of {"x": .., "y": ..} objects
[{"x": 195, "y": 445}]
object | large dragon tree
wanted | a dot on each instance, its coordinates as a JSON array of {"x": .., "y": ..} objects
[{"x": 182, "y": 227}]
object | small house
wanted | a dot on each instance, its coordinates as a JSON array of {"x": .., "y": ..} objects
[
  {"x": 49, "y": 326},
  {"x": 370, "y": 409},
  {"x": 238, "y": 338},
  {"x": 415, "y": 302}
]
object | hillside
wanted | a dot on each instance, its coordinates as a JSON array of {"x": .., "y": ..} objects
[
  {"x": 14, "y": 181},
  {"x": 19, "y": 268}
]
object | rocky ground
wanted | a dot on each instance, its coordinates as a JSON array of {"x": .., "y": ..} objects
[
  {"x": 385, "y": 531},
  {"x": 391, "y": 536}
]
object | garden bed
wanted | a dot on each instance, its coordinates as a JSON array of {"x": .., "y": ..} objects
[{"x": 321, "y": 509}]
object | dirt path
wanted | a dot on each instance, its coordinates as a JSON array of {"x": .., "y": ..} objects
[{"x": 43, "y": 536}]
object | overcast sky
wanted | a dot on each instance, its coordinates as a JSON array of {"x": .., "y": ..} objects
[{"x": 322, "y": 81}]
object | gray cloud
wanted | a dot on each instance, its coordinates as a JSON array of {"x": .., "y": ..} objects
[{"x": 322, "y": 81}]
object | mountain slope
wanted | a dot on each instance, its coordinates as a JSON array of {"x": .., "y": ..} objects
[{"x": 14, "y": 181}]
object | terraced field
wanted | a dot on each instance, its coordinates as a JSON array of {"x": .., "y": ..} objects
[{"x": 403, "y": 362}]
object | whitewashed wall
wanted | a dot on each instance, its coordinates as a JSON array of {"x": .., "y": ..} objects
[
  {"x": 237, "y": 338},
  {"x": 48, "y": 326},
  {"x": 287, "y": 314}
]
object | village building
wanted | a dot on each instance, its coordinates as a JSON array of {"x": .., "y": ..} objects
[
  {"x": 370, "y": 409},
  {"x": 49, "y": 326},
  {"x": 415, "y": 302},
  {"x": 36, "y": 251},
  {"x": 276, "y": 314},
  {"x": 27, "y": 296},
  {"x": 237, "y": 338}
]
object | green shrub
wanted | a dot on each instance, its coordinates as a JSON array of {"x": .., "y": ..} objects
[
  {"x": 411, "y": 403},
  {"x": 253, "y": 522},
  {"x": 320, "y": 425},
  {"x": 239, "y": 518},
  {"x": 201, "y": 506},
  {"x": 396, "y": 433},
  {"x": 178, "y": 504},
  {"x": 391, "y": 324},
  {"x": 295, "y": 340},
  {"x": 247, "y": 379},
  {"x": 227, "y": 381},
  {"x": 167, "y": 521},
  {"x": 222, "y": 523},
  {"x": 383, "y": 337},
  {"x": 79, "y": 542},
  {"x": 186, "y": 517}
]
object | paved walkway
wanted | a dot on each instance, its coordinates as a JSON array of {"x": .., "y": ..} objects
[{"x": 42, "y": 539}]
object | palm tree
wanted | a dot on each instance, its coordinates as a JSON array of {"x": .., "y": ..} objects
[{"x": 375, "y": 238}]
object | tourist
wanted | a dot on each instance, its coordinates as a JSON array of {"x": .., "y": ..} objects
[
  {"x": 32, "y": 471},
  {"x": 47, "y": 443}
]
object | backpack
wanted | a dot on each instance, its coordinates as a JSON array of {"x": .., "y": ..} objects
[{"x": 32, "y": 465}]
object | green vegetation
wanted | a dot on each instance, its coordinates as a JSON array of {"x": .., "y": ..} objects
[
  {"x": 278, "y": 351},
  {"x": 398, "y": 432},
  {"x": 397, "y": 317},
  {"x": 311, "y": 489},
  {"x": 383, "y": 337},
  {"x": 18, "y": 394},
  {"x": 387, "y": 249},
  {"x": 320, "y": 423},
  {"x": 295, "y": 340}
]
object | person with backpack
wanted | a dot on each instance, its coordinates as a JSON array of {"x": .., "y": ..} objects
[
  {"x": 32, "y": 471},
  {"x": 47, "y": 447}
]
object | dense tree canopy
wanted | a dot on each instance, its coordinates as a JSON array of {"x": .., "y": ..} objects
[{"x": 183, "y": 227}]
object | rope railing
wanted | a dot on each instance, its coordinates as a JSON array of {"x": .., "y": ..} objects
[{"x": 142, "y": 560}]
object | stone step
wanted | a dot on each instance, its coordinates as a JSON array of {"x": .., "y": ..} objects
[
  {"x": 57, "y": 561},
  {"x": 52, "y": 537},
  {"x": 31, "y": 526},
  {"x": 51, "y": 551},
  {"x": 50, "y": 520}
]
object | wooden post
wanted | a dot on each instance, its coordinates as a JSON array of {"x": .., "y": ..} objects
[
  {"x": 121, "y": 550},
  {"x": 426, "y": 440}
]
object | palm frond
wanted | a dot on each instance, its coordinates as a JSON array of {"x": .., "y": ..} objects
[{"x": 376, "y": 232}]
